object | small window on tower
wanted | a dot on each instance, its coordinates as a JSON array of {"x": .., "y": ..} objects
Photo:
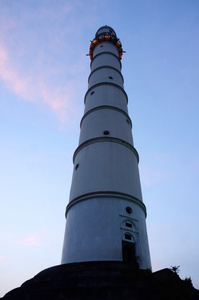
[
  {"x": 101, "y": 46},
  {"x": 92, "y": 92},
  {"x": 110, "y": 77},
  {"x": 129, "y": 210},
  {"x": 77, "y": 166},
  {"x": 106, "y": 132},
  {"x": 128, "y": 224},
  {"x": 127, "y": 236},
  {"x": 127, "y": 121}
]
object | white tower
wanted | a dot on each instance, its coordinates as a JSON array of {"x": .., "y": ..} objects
[{"x": 105, "y": 217}]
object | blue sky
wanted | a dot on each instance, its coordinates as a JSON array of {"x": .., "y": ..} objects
[{"x": 43, "y": 79}]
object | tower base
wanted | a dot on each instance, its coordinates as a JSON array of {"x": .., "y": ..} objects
[{"x": 109, "y": 280}]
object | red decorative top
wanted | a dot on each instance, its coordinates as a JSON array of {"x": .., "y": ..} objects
[{"x": 107, "y": 36}]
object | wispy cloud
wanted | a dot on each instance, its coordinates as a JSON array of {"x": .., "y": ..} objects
[
  {"x": 10, "y": 76},
  {"x": 39, "y": 57},
  {"x": 30, "y": 241},
  {"x": 36, "y": 88}
]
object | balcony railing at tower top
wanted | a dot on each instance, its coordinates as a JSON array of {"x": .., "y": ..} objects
[{"x": 106, "y": 36}]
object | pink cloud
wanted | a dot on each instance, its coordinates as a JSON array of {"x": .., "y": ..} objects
[
  {"x": 33, "y": 49},
  {"x": 35, "y": 88},
  {"x": 30, "y": 241},
  {"x": 59, "y": 99},
  {"x": 8, "y": 75}
]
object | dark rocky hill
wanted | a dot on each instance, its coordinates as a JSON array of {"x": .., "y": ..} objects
[{"x": 104, "y": 280}]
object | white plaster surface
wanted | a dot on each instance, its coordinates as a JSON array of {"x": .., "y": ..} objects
[
  {"x": 105, "y": 177},
  {"x": 94, "y": 231}
]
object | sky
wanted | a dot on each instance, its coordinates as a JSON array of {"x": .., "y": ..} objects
[{"x": 43, "y": 80}]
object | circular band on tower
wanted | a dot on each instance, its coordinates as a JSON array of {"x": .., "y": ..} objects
[
  {"x": 106, "y": 139},
  {"x": 105, "y": 52},
  {"x": 106, "y": 83},
  {"x": 110, "y": 194},
  {"x": 107, "y": 67},
  {"x": 106, "y": 107}
]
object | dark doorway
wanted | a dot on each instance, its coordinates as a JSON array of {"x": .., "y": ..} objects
[{"x": 128, "y": 253}]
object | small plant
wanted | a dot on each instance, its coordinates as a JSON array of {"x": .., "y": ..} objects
[
  {"x": 148, "y": 270},
  {"x": 175, "y": 269},
  {"x": 188, "y": 281}
]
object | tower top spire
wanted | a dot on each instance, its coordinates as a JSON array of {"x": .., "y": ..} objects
[
  {"x": 106, "y": 33},
  {"x": 104, "y": 29}
]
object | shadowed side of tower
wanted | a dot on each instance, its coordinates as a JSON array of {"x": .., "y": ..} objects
[{"x": 105, "y": 217}]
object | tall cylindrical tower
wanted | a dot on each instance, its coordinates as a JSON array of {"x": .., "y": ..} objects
[{"x": 105, "y": 217}]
